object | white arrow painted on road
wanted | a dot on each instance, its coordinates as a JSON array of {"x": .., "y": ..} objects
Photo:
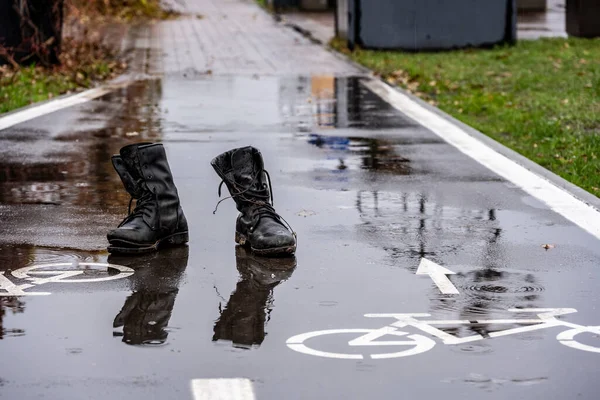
[{"x": 438, "y": 275}]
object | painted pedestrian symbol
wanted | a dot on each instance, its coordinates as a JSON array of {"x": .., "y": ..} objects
[
  {"x": 40, "y": 274},
  {"x": 413, "y": 344}
]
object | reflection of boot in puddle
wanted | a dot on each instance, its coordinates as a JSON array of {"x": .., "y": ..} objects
[
  {"x": 146, "y": 312},
  {"x": 243, "y": 320}
]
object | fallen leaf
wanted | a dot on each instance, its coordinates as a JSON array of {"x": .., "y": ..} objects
[{"x": 305, "y": 213}]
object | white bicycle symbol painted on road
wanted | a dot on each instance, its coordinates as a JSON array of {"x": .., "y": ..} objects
[
  {"x": 416, "y": 343},
  {"x": 60, "y": 272}
]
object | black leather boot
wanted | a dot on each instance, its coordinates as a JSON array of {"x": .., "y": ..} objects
[
  {"x": 243, "y": 319},
  {"x": 146, "y": 313},
  {"x": 258, "y": 226},
  {"x": 158, "y": 217}
]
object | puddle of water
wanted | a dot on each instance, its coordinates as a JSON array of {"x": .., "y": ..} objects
[
  {"x": 146, "y": 312},
  {"x": 68, "y": 161},
  {"x": 12, "y": 305},
  {"x": 326, "y": 102},
  {"x": 361, "y": 153}
]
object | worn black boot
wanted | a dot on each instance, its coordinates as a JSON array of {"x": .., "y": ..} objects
[
  {"x": 258, "y": 225},
  {"x": 158, "y": 217}
]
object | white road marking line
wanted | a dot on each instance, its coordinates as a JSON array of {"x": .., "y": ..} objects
[
  {"x": 438, "y": 274},
  {"x": 51, "y": 106},
  {"x": 558, "y": 199},
  {"x": 10, "y": 289},
  {"x": 222, "y": 389}
]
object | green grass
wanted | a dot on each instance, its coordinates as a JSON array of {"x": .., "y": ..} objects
[
  {"x": 29, "y": 85},
  {"x": 541, "y": 98}
]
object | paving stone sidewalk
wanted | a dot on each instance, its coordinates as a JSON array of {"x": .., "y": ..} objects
[{"x": 233, "y": 37}]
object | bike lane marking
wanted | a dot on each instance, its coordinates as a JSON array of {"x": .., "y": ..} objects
[
  {"x": 437, "y": 273},
  {"x": 222, "y": 389},
  {"x": 62, "y": 276},
  {"x": 568, "y": 338},
  {"x": 419, "y": 343},
  {"x": 556, "y": 198},
  {"x": 8, "y": 288},
  {"x": 547, "y": 318}
]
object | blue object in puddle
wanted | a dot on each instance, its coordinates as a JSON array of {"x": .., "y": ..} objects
[{"x": 335, "y": 142}]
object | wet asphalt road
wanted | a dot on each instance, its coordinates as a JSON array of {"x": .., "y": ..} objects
[{"x": 369, "y": 193}]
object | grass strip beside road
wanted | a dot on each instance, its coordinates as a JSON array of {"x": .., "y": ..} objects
[
  {"x": 541, "y": 98},
  {"x": 28, "y": 85},
  {"x": 82, "y": 65},
  {"x": 84, "y": 60}
]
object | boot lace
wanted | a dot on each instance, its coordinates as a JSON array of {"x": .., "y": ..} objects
[
  {"x": 241, "y": 193},
  {"x": 263, "y": 207},
  {"x": 143, "y": 203}
]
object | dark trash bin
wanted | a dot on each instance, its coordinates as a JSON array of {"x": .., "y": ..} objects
[
  {"x": 430, "y": 24},
  {"x": 305, "y": 5},
  {"x": 283, "y": 4},
  {"x": 583, "y": 18}
]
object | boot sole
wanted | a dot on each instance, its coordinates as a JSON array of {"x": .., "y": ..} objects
[
  {"x": 277, "y": 251},
  {"x": 125, "y": 247}
]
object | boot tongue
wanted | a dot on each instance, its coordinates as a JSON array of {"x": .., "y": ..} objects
[
  {"x": 129, "y": 155},
  {"x": 245, "y": 170}
]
